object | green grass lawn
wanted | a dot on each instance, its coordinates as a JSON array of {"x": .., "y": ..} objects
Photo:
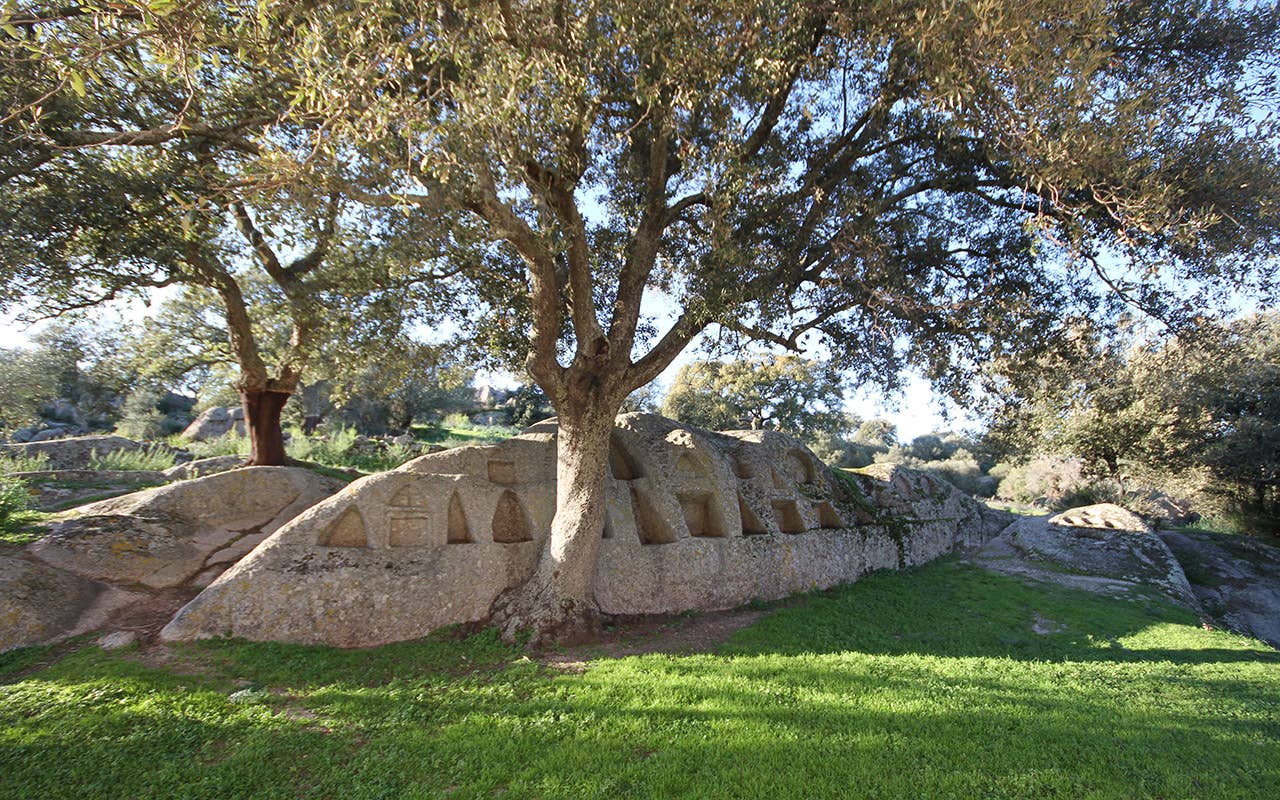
[{"x": 929, "y": 683}]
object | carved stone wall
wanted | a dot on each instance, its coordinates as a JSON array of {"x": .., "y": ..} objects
[{"x": 694, "y": 520}]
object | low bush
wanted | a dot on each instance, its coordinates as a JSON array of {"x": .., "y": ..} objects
[
  {"x": 231, "y": 444},
  {"x": 1045, "y": 480},
  {"x": 960, "y": 469},
  {"x": 343, "y": 448},
  {"x": 963, "y": 472},
  {"x": 14, "y": 499},
  {"x": 37, "y": 462}
]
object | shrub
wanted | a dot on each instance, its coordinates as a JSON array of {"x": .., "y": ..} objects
[
  {"x": 14, "y": 499},
  {"x": 155, "y": 458},
  {"x": 1044, "y": 480},
  {"x": 231, "y": 444},
  {"x": 962, "y": 471},
  {"x": 342, "y": 448},
  {"x": 456, "y": 420},
  {"x": 144, "y": 425},
  {"x": 38, "y": 462}
]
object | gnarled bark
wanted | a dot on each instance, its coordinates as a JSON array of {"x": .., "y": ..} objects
[{"x": 557, "y": 603}]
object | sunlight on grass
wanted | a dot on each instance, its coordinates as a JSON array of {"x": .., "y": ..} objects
[{"x": 924, "y": 684}]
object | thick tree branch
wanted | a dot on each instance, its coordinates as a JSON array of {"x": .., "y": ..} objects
[
  {"x": 646, "y": 241},
  {"x": 543, "y": 292},
  {"x": 324, "y": 240},
  {"x": 591, "y": 342},
  {"x": 262, "y": 249},
  {"x": 253, "y": 371},
  {"x": 687, "y": 326},
  {"x": 229, "y": 136},
  {"x": 777, "y": 102}
]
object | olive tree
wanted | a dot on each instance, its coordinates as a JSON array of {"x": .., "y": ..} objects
[{"x": 127, "y": 166}]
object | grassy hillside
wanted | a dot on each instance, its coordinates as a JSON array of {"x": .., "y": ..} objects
[{"x": 932, "y": 683}]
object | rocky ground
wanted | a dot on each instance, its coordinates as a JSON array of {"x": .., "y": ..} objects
[
  {"x": 123, "y": 562},
  {"x": 1230, "y": 581}
]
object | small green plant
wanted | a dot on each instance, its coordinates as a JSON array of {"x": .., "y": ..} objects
[
  {"x": 339, "y": 449},
  {"x": 154, "y": 458},
  {"x": 333, "y": 449},
  {"x": 36, "y": 462},
  {"x": 230, "y": 444},
  {"x": 16, "y": 515},
  {"x": 14, "y": 499},
  {"x": 456, "y": 421}
]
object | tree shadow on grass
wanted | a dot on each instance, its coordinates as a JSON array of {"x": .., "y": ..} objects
[
  {"x": 924, "y": 684},
  {"x": 657, "y": 726}
]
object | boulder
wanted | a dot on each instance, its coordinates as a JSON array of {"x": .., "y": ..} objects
[
  {"x": 1110, "y": 551},
  {"x": 163, "y": 537},
  {"x": 75, "y": 453},
  {"x": 214, "y": 423},
  {"x": 1236, "y": 579},
  {"x": 64, "y": 411},
  {"x": 693, "y": 520},
  {"x": 203, "y": 466},
  {"x": 40, "y": 604},
  {"x": 1106, "y": 516}
]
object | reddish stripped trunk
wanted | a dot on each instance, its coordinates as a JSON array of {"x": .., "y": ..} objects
[{"x": 262, "y": 409}]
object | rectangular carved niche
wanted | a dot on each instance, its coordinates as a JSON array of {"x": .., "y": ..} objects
[
  {"x": 408, "y": 530},
  {"x": 787, "y": 513},
  {"x": 502, "y": 472},
  {"x": 751, "y": 522},
  {"x": 653, "y": 529},
  {"x": 828, "y": 517},
  {"x": 699, "y": 514}
]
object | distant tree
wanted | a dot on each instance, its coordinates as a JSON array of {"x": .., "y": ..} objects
[
  {"x": 938, "y": 186},
  {"x": 27, "y": 382},
  {"x": 928, "y": 447},
  {"x": 1206, "y": 401},
  {"x": 1080, "y": 400},
  {"x": 529, "y": 405},
  {"x": 75, "y": 363},
  {"x": 364, "y": 364},
  {"x": 1214, "y": 402},
  {"x": 786, "y": 393},
  {"x": 403, "y": 382},
  {"x": 877, "y": 433}
]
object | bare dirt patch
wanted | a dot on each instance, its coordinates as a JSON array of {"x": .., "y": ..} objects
[{"x": 634, "y": 636}]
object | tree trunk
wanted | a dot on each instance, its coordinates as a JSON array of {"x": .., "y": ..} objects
[
  {"x": 557, "y": 604},
  {"x": 262, "y": 409}
]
